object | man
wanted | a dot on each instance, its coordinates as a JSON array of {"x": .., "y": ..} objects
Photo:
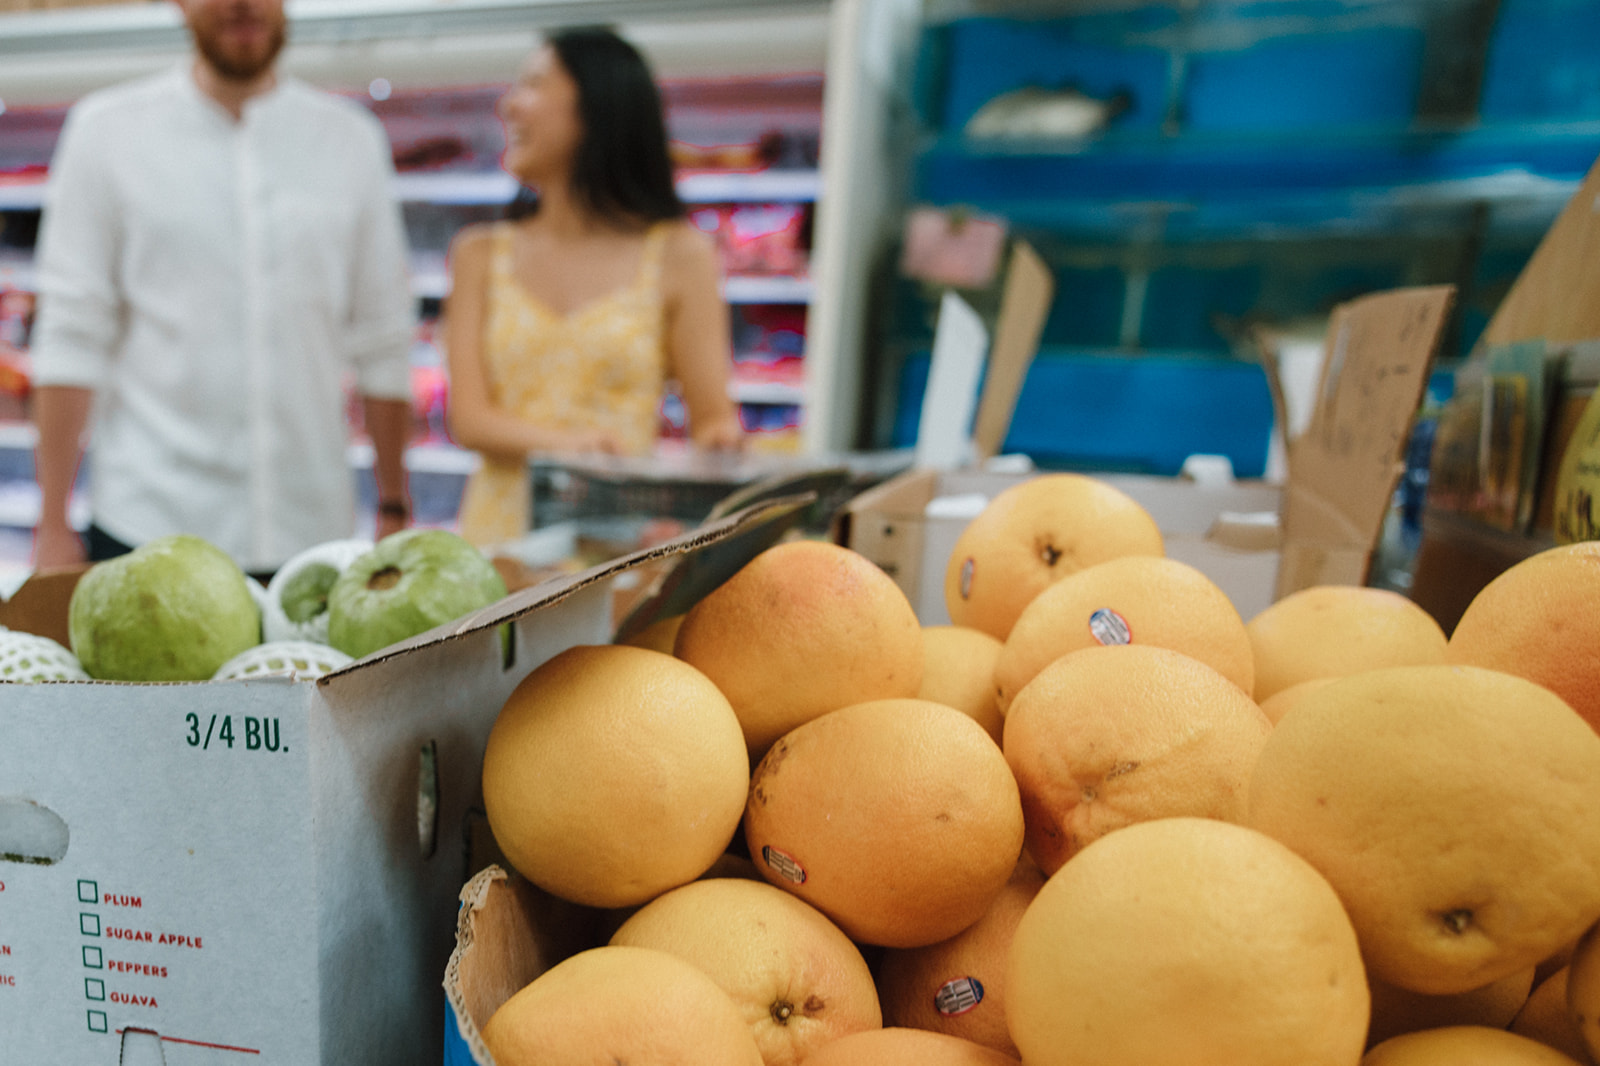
[{"x": 220, "y": 246}]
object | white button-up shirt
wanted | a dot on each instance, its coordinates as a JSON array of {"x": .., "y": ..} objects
[{"x": 217, "y": 283}]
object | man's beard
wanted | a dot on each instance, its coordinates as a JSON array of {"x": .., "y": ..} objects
[{"x": 239, "y": 64}]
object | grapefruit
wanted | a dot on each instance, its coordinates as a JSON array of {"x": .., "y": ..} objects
[
  {"x": 1033, "y": 534},
  {"x": 1109, "y": 736},
  {"x": 805, "y": 628},
  {"x": 614, "y": 773},
  {"x": 1186, "y": 942},
  {"x": 1451, "y": 807},
  {"x": 898, "y": 819},
  {"x": 1148, "y": 600},
  {"x": 797, "y": 979}
]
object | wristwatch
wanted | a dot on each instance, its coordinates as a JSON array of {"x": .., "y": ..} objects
[{"x": 397, "y": 508}]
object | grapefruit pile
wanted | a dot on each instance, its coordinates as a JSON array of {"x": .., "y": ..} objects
[{"x": 1098, "y": 819}]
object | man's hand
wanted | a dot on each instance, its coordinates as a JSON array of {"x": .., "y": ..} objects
[
  {"x": 388, "y": 425},
  {"x": 392, "y": 519},
  {"x": 56, "y": 546},
  {"x": 61, "y": 412}
]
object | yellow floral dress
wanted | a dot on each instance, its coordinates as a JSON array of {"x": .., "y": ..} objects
[{"x": 601, "y": 365}]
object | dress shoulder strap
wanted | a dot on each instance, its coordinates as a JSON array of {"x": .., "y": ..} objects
[{"x": 655, "y": 243}]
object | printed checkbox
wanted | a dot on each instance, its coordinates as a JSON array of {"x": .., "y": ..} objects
[
  {"x": 89, "y": 924},
  {"x": 92, "y": 958},
  {"x": 88, "y": 891},
  {"x": 97, "y": 1021},
  {"x": 94, "y": 988}
]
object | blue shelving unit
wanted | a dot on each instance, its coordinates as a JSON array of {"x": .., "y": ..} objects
[
  {"x": 1103, "y": 410},
  {"x": 1271, "y": 158}
]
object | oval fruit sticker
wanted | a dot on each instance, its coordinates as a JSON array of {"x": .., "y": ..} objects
[
  {"x": 958, "y": 995},
  {"x": 1109, "y": 627},
  {"x": 783, "y": 865}
]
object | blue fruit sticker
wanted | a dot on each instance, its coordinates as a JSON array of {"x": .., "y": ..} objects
[
  {"x": 958, "y": 995},
  {"x": 1109, "y": 627}
]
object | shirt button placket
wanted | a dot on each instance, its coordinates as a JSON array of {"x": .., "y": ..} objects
[{"x": 254, "y": 194}]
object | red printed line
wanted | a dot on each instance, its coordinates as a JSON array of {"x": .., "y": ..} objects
[{"x": 202, "y": 1043}]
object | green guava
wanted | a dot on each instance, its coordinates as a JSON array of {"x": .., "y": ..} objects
[
  {"x": 407, "y": 584},
  {"x": 305, "y": 595},
  {"x": 174, "y": 609}
]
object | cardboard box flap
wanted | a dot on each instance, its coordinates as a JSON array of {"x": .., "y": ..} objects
[
  {"x": 904, "y": 497},
  {"x": 1024, "y": 305},
  {"x": 1319, "y": 519},
  {"x": 1251, "y": 531},
  {"x": 39, "y": 604},
  {"x": 825, "y": 483},
  {"x": 1554, "y": 296},
  {"x": 693, "y": 575},
  {"x": 507, "y": 933},
  {"x": 1344, "y": 467},
  {"x": 740, "y": 534}
]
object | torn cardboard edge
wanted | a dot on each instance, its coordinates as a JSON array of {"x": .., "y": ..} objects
[
  {"x": 508, "y": 932},
  {"x": 1344, "y": 467},
  {"x": 515, "y": 967},
  {"x": 38, "y": 604},
  {"x": 503, "y": 941}
]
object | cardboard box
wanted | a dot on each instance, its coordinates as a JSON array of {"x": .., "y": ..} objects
[
  {"x": 1343, "y": 468},
  {"x": 267, "y": 870},
  {"x": 1342, "y": 474},
  {"x": 1219, "y": 530}
]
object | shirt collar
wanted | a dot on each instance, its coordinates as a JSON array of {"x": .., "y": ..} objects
[{"x": 183, "y": 75}]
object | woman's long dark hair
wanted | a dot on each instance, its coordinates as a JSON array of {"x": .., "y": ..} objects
[{"x": 622, "y": 168}]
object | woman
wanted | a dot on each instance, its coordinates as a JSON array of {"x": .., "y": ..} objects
[{"x": 565, "y": 322}]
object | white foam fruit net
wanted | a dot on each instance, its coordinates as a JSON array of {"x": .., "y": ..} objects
[
  {"x": 294, "y": 658},
  {"x": 276, "y": 625},
  {"x": 258, "y": 592},
  {"x": 26, "y": 657}
]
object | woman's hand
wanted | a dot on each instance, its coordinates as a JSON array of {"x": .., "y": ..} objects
[
  {"x": 721, "y": 435},
  {"x": 591, "y": 441}
]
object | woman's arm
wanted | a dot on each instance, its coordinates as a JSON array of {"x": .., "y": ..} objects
[
  {"x": 475, "y": 421},
  {"x": 699, "y": 338}
]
